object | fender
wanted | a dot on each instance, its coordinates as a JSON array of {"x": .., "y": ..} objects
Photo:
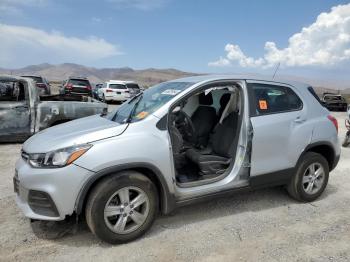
[
  {"x": 167, "y": 199},
  {"x": 332, "y": 159}
]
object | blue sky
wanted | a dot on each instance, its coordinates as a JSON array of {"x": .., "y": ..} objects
[{"x": 187, "y": 35}]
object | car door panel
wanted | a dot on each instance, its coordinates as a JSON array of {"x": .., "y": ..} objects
[{"x": 278, "y": 137}]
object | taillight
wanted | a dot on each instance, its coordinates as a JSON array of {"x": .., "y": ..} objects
[
  {"x": 109, "y": 90},
  {"x": 88, "y": 87},
  {"x": 69, "y": 86},
  {"x": 334, "y": 121}
]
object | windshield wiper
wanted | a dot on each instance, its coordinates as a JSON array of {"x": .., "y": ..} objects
[{"x": 132, "y": 112}]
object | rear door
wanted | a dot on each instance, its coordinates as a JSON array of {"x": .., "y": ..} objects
[
  {"x": 281, "y": 129},
  {"x": 14, "y": 111}
]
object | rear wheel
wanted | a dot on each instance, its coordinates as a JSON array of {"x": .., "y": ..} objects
[
  {"x": 123, "y": 207},
  {"x": 104, "y": 99},
  {"x": 310, "y": 179}
]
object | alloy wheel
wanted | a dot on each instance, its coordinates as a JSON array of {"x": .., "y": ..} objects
[
  {"x": 313, "y": 178},
  {"x": 126, "y": 210}
]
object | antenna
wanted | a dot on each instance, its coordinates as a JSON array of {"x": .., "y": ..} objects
[{"x": 276, "y": 69}]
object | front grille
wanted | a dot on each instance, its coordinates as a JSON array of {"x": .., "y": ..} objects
[{"x": 42, "y": 204}]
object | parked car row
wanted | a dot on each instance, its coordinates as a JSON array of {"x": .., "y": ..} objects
[{"x": 24, "y": 112}]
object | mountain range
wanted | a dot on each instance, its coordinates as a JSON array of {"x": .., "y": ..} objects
[
  {"x": 145, "y": 77},
  {"x": 56, "y": 73}
]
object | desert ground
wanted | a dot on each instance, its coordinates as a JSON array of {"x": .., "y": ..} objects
[{"x": 264, "y": 225}]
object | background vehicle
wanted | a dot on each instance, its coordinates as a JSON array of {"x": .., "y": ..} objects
[
  {"x": 41, "y": 83},
  {"x": 115, "y": 90},
  {"x": 133, "y": 87},
  {"x": 23, "y": 112},
  {"x": 95, "y": 91},
  {"x": 346, "y": 141},
  {"x": 182, "y": 141},
  {"x": 334, "y": 102},
  {"x": 76, "y": 86}
]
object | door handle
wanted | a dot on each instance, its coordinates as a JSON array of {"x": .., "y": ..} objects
[{"x": 299, "y": 119}]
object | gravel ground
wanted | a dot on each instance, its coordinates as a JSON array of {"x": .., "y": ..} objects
[{"x": 265, "y": 225}]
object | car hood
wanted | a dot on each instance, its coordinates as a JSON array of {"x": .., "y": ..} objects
[{"x": 80, "y": 131}]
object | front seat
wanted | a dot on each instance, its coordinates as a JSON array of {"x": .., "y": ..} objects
[
  {"x": 223, "y": 147},
  {"x": 223, "y": 102},
  {"x": 203, "y": 119}
]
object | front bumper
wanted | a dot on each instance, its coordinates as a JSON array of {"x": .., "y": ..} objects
[{"x": 61, "y": 185}]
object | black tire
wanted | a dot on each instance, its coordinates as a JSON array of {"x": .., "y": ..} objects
[
  {"x": 296, "y": 187},
  {"x": 102, "y": 192},
  {"x": 346, "y": 141},
  {"x": 104, "y": 99}
]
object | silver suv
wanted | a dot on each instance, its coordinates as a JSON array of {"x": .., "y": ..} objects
[{"x": 179, "y": 142}]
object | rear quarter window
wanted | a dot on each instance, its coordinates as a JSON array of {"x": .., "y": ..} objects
[{"x": 270, "y": 99}]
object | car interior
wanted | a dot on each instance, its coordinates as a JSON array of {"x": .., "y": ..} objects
[{"x": 204, "y": 131}]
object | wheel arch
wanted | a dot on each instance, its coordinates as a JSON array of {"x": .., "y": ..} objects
[
  {"x": 166, "y": 198},
  {"x": 325, "y": 149}
]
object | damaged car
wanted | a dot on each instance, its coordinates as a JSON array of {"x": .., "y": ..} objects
[
  {"x": 23, "y": 112},
  {"x": 177, "y": 143}
]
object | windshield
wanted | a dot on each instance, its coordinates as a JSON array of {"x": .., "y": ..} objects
[
  {"x": 79, "y": 82},
  {"x": 148, "y": 102},
  {"x": 333, "y": 98}
]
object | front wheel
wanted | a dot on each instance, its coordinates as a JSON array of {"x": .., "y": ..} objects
[
  {"x": 310, "y": 179},
  {"x": 122, "y": 207}
]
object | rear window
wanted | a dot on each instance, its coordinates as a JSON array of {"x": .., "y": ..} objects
[
  {"x": 117, "y": 86},
  {"x": 37, "y": 79},
  {"x": 133, "y": 86},
  {"x": 12, "y": 91},
  {"x": 270, "y": 99},
  {"x": 79, "y": 82}
]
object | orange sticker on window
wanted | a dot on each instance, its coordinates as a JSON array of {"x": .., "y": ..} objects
[
  {"x": 263, "y": 104},
  {"x": 142, "y": 115}
]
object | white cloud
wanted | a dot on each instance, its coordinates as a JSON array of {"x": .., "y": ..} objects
[
  {"x": 96, "y": 19},
  {"x": 25, "y": 45},
  {"x": 138, "y": 4},
  {"x": 325, "y": 43},
  {"x": 14, "y": 7}
]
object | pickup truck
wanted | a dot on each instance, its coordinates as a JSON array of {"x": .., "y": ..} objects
[
  {"x": 23, "y": 112},
  {"x": 334, "y": 102}
]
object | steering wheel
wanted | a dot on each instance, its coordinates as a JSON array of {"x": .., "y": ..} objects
[{"x": 185, "y": 126}]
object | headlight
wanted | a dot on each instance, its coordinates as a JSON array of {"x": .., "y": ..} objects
[{"x": 59, "y": 158}]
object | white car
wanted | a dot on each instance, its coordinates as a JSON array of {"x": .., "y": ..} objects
[{"x": 116, "y": 90}]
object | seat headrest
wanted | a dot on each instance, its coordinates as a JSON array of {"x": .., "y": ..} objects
[
  {"x": 224, "y": 99},
  {"x": 205, "y": 99}
]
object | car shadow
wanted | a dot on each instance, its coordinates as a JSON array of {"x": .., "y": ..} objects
[{"x": 70, "y": 233}]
